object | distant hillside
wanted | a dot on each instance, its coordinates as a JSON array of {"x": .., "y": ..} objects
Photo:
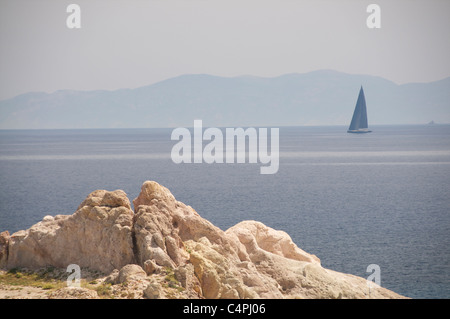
[{"x": 316, "y": 98}]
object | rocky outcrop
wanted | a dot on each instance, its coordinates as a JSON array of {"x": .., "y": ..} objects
[
  {"x": 97, "y": 236},
  {"x": 168, "y": 250}
]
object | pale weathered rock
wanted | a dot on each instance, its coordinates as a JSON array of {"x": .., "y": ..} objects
[
  {"x": 165, "y": 249},
  {"x": 151, "y": 267},
  {"x": 96, "y": 236},
  {"x": 256, "y": 236},
  {"x": 153, "y": 291},
  {"x": 297, "y": 273},
  {"x": 163, "y": 222},
  {"x": 112, "y": 278},
  {"x": 216, "y": 271},
  {"x": 131, "y": 272},
  {"x": 116, "y": 198},
  {"x": 159, "y": 215}
]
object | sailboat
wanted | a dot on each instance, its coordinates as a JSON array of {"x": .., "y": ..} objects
[{"x": 359, "y": 119}]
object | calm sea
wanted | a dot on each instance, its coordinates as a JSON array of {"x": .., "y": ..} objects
[{"x": 353, "y": 200}]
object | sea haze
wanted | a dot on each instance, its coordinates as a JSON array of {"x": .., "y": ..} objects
[
  {"x": 320, "y": 97},
  {"x": 351, "y": 199}
]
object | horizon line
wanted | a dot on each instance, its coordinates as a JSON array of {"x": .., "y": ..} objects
[{"x": 220, "y": 127}]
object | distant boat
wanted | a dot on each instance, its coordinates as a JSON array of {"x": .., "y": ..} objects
[{"x": 359, "y": 119}]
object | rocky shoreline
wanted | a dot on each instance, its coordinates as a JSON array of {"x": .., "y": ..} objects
[{"x": 165, "y": 249}]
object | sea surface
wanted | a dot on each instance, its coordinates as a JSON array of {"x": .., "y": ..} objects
[{"x": 353, "y": 200}]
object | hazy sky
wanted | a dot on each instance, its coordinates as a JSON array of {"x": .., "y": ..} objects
[{"x": 127, "y": 44}]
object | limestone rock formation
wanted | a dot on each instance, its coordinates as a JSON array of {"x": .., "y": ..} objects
[
  {"x": 168, "y": 250},
  {"x": 96, "y": 236}
]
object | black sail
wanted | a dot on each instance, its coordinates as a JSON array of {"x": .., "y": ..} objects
[{"x": 359, "y": 120}]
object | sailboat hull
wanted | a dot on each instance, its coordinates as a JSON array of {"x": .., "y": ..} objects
[{"x": 360, "y": 131}]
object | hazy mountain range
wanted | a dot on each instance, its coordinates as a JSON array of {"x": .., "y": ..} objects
[{"x": 317, "y": 98}]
